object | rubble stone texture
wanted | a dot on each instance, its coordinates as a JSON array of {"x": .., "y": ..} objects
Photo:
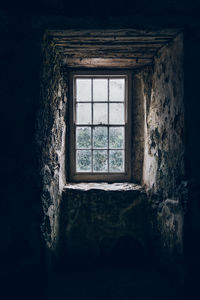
[
  {"x": 50, "y": 138},
  {"x": 95, "y": 218}
]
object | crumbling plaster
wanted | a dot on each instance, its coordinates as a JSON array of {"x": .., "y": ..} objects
[
  {"x": 164, "y": 150},
  {"x": 51, "y": 129},
  {"x": 163, "y": 168}
]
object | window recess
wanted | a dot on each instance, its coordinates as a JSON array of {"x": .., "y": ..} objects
[{"x": 100, "y": 126}]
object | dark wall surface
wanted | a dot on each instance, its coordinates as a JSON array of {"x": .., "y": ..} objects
[
  {"x": 166, "y": 7},
  {"x": 21, "y": 250}
]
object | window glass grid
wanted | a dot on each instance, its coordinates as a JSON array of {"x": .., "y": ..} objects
[{"x": 102, "y": 152}]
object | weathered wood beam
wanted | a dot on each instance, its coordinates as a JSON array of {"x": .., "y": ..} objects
[
  {"x": 124, "y": 53},
  {"x": 108, "y": 55},
  {"x": 113, "y": 63},
  {"x": 113, "y": 32},
  {"x": 112, "y": 39},
  {"x": 113, "y": 48},
  {"x": 108, "y": 44},
  {"x": 105, "y": 50}
]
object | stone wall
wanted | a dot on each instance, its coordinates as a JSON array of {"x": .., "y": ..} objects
[
  {"x": 163, "y": 168},
  {"x": 164, "y": 150},
  {"x": 105, "y": 223},
  {"x": 51, "y": 129}
]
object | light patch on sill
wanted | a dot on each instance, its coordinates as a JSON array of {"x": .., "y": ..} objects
[{"x": 124, "y": 186}]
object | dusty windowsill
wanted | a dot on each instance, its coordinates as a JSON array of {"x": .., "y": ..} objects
[{"x": 104, "y": 186}]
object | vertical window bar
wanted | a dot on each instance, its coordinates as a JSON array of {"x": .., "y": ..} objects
[
  {"x": 108, "y": 125},
  {"x": 125, "y": 100},
  {"x": 92, "y": 126},
  {"x": 125, "y": 122},
  {"x": 74, "y": 100},
  {"x": 74, "y": 121}
]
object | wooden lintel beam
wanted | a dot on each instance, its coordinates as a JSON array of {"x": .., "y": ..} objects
[
  {"x": 109, "y": 55},
  {"x": 108, "y": 46},
  {"x": 96, "y": 62},
  {"x": 113, "y": 32},
  {"x": 112, "y": 39}
]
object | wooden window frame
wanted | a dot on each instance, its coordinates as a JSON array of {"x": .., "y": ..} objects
[{"x": 100, "y": 176}]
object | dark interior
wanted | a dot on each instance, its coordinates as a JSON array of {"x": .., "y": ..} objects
[{"x": 61, "y": 240}]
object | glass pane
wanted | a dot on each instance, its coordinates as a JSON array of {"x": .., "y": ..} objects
[
  {"x": 83, "y": 115},
  {"x": 116, "y": 161},
  {"x": 100, "y": 111},
  {"x": 100, "y": 137},
  {"x": 116, "y": 137},
  {"x": 83, "y": 89},
  {"x": 116, "y": 113},
  {"x": 117, "y": 89},
  {"x": 100, "y": 90},
  {"x": 83, "y": 160},
  {"x": 83, "y": 137},
  {"x": 100, "y": 161}
]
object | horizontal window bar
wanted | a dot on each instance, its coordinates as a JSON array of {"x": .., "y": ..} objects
[
  {"x": 105, "y": 125},
  {"x": 100, "y": 173},
  {"x": 100, "y": 102},
  {"x": 122, "y": 149},
  {"x": 100, "y": 125},
  {"x": 100, "y": 76}
]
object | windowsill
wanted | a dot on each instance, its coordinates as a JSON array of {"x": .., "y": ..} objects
[{"x": 104, "y": 186}]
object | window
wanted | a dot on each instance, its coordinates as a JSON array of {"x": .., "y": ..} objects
[{"x": 100, "y": 126}]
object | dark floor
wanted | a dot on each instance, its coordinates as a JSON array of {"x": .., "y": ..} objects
[
  {"x": 135, "y": 283},
  {"x": 100, "y": 282}
]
